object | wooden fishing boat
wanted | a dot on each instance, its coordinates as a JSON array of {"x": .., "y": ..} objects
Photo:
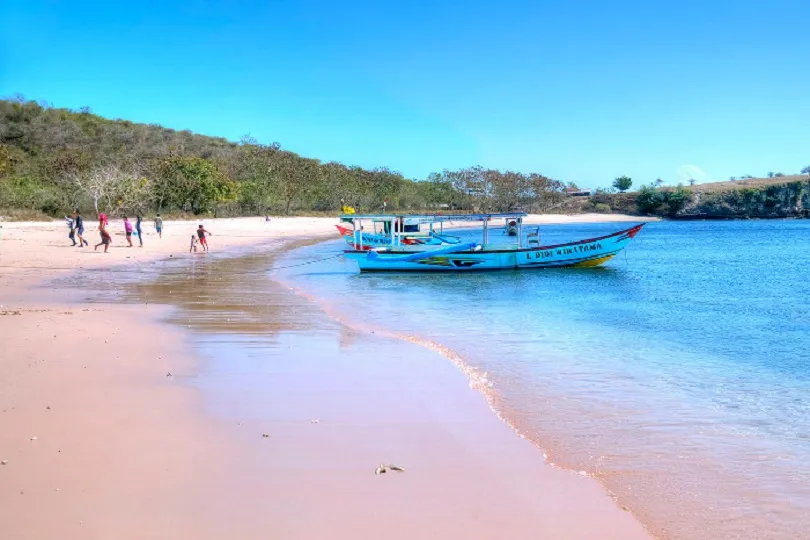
[{"x": 526, "y": 252}]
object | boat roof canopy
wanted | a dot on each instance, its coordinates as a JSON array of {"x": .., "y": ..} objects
[{"x": 412, "y": 219}]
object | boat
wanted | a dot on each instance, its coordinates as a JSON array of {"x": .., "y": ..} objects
[
  {"x": 526, "y": 252},
  {"x": 410, "y": 232}
]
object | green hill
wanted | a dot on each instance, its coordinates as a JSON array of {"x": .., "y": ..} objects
[{"x": 53, "y": 160}]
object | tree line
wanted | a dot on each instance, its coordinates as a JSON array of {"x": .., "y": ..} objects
[{"x": 53, "y": 160}]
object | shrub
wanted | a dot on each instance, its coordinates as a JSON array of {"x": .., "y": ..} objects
[
  {"x": 649, "y": 199},
  {"x": 677, "y": 199},
  {"x": 602, "y": 208},
  {"x": 17, "y": 214}
]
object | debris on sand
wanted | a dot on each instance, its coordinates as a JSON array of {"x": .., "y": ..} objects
[{"x": 385, "y": 467}]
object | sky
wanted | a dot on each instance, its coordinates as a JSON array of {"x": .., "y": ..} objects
[{"x": 580, "y": 91}]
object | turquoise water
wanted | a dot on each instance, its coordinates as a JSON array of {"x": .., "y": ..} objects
[{"x": 678, "y": 374}]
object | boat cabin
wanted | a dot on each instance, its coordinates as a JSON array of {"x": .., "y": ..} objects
[{"x": 402, "y": 229}]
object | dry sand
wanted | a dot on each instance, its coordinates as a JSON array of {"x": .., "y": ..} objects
[{"x": 99, "y": 442}]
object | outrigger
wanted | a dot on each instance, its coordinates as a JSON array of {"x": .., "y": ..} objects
[{"x": 400, "y": 255}]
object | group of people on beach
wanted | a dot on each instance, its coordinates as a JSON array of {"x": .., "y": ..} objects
[{"x": 76, "y": 226}]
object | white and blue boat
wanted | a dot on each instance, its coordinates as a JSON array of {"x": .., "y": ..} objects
[
  {"x": 371, "y": 231},
  {"x": 525, "y": 251}
]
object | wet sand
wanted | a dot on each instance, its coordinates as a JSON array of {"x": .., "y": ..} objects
[{"x": 124, "y": 451}]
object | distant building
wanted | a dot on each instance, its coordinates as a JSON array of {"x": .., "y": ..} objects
[{"x": 576, "y": 192}]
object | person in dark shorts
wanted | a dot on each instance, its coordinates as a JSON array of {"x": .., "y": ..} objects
[
  {"x": 159, "y": 225},
  {"x": 105, "y": 238},
  {"x": 139, "y": 228},
  {"x": 201, "y": 232},
  {"x": 128, "y": 230},
  {"x": 78, "y": 222}
]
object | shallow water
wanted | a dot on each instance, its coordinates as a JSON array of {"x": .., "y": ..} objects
[{"x": 678, "y": 374}]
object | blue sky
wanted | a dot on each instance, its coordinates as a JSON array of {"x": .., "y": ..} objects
[{"x": 581, "y": 91}]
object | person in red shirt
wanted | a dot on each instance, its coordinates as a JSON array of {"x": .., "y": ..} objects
[{"x": 201, "y": 232}]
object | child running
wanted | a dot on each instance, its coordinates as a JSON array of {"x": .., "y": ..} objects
[
  {"x": 78, "y": 222},
  {"x": 72, "y": 233},
  {"x": 106, "y": 239},
  {"x": 128, "y": 230},
  {"x": 159, "y": 225},
  {"x": 201, "y": 234}
]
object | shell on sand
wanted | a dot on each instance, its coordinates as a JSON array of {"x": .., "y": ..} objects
[{"x": 385, "y": 467}]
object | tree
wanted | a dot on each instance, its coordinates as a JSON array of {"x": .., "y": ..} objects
[
  {"x": 102, "y": 184},
  {"x": 677, "y": 199},
  {"x": 692, "y": 181},
  {"x": 294, "y": 176},
  {"x": 192, "y": 183},
  {"x": 439, "y": 191},
  {"x": 659, "y": 182},
  {"x": 649, "y": 199},
  {"x": 255, "y": 170},
  {"x": 622, "y": 183},
  {"x": 7, "y": 161},
  {"x": 770, "y": 175},
  {"x": 806, "y": 170}
]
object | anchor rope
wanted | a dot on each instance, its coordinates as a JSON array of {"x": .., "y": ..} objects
[{"x": 141, "y": 266}]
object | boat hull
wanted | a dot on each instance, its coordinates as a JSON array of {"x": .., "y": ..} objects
[{"x": 584, "y": 253}]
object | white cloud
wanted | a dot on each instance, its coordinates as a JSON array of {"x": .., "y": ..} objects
[{"x": 689, "y": 172}]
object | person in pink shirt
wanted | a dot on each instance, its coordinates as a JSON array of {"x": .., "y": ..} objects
[{"x": 128, "y": 230}]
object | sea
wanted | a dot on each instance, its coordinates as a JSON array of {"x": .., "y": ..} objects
[{"x": 678, "y": 374}]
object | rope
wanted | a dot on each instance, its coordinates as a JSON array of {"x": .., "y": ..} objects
[{"x": 185, "y": 272}]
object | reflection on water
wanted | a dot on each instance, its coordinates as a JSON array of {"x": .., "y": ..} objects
[{"x": 678, "y": 374}]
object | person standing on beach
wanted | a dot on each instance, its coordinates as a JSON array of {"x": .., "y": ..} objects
[
  {"x": 78, "y": 222},
  {"x": 159, "y": 225},
  {"x": 128, "y": 230},
  {"x": 139, "y": 229},
  {"x": 201, "y": 235}
]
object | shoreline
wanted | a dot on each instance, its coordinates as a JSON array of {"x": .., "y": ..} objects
[{"x": 139, "y": 468}]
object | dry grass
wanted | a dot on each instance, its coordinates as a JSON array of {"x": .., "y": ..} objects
[{"x": 750, "y": 183}]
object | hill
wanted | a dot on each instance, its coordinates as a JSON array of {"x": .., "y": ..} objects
[
  {"x": 748, "y": 183},
  {"x": 763, "y": 198},
  {"x": 53, "y": 160},
  {"x": 779, "y": 197}
]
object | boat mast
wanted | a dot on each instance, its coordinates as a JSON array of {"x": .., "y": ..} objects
[
  {"x": 486, "y": 231},
  {"x": 520, "y": 232},
  {"x": 358, "y": 241}
]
